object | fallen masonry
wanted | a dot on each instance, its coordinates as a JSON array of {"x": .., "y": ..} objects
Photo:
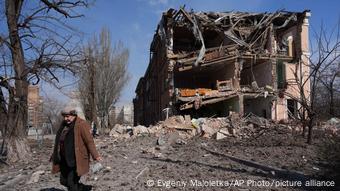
[
  {"x": 252, "y": 150},
  {"x": 177, "y": 129}
]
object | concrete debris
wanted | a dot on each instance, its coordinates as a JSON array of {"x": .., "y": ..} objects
[
  {"x": 177, "y": 129},
  {"x": 222, "y": 133},
  {"x": 331, "y": 127},
  {"x": 181, "y": 142},
  {"x": 140, "y": 130},
  {"x": 210, "y": 126},
  {"x": 35, "y": 177},
  {"x": 139, "y": 158},
  {"x": 161, "y": 141},
  {"x": 334, "y": 122},
  {"x": 107, "y": 169},
  {"x": 258, "y": 121},
  {"x": 119, "y": 130},
  {"x": 153, "y": 151},
  {"x": 177, "y": 122},
  {"x": 168, "y": 138},
  {"x": 220, "y": 136}
]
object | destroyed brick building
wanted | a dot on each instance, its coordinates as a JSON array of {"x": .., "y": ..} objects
[{"x": 208, "y": 64}]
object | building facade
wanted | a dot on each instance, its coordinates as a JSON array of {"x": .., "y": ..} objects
[
  {"x": 35, "y": 107},
  {"x": 211, "y": 63},
  {"x": 123, "y": 114}
]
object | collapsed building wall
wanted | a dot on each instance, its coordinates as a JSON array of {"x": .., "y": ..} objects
[{"x": 211, "y": 64}]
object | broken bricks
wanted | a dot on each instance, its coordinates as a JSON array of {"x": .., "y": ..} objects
[
  {"x": 35, "y": 177},
  {"x": 140, "y": 130},
  {"x": 177, "y": 129},
  {"x": 222, "y": 133}
]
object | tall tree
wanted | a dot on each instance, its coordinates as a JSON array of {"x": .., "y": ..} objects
[
  {"x": 40, "y": 46},
  {"x": 103, "y": 76}
]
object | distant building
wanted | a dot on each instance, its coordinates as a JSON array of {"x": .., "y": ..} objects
[
  {"x": 35, "y": 107},
  {"x": 122, "y": 114}
]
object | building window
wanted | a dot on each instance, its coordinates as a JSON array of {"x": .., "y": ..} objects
[
  {"x": 292, "y": 108},
  {"x": 281, "y": 74}
]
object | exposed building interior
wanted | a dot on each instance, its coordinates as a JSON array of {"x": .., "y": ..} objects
[{"x": 208, "y": 64}]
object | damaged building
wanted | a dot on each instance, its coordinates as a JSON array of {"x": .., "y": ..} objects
[{"x": 208, "y": 64}]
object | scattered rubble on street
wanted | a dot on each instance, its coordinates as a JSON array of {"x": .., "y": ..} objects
[
  {"x": 331, "y": 127},
  {"x": 181, "y": 148},
  {"x": 233, "y": 147},
  {"x": 217, "y": 128}
]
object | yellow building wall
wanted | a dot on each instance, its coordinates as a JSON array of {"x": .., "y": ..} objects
[{"x": 279, "y": 110}]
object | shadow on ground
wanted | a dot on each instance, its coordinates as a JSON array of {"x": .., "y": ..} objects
[{"x": 51, "y": 189}]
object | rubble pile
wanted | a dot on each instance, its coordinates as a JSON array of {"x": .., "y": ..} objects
[
  {"x": 134, "y": 155},
  {"x": 331, "y": 127},
  {"x": 183, "y": 127}
]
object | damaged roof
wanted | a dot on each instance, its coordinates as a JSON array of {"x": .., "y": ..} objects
[{"x": 249, "y": 31}]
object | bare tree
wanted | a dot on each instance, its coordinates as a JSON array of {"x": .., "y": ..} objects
[
  {"x": 324, "y": 55},
  {"x": 103, "y": 77},
  {"x": 51, "y": 110},
  {"x": 38, "y": 45},
  {"x": 330, "y": 83},
  {"x": 86, "y": 85}
]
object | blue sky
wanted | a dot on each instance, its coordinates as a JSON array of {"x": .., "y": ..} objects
[{"x": 134, "y": 21}]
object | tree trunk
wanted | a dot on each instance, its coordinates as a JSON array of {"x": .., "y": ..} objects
[
  {"x": 3, "y": 123},
  {"x": 101, "y": 123},
  {"x": 304, "y": 123},
  {"x": 16, "y": 143},
  {"x": 310, "y": 131},
  {"x": 331, "y": 101},
  {"x": 17, "y": 150},
  {"x": 108, "y": 121},
  {"x": 17, "y": 146},
  {"x": 3, "y": 113},
  {"x": 92, "y": 95},
  {"x": 303, "y": 129}
]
